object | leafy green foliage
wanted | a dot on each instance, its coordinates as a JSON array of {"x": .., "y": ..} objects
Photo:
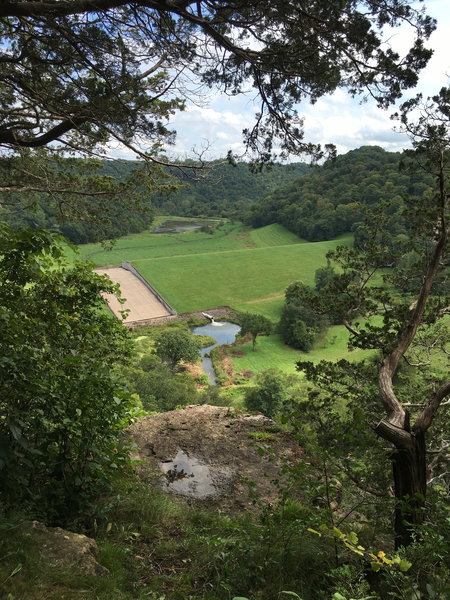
[
  {"x": 254, "y": 325},
  {"x": 89, "y": 200},
  {"x": 334, "y": 198},
  {"x": 160, "y": 389},
  {"x": 62, "y": 405},
  {"x": 269, "y": 394},
  {"x": 174, "y": 346},
  {"x": 120, "y": 197},
  {"x": 323, "y": 277}
]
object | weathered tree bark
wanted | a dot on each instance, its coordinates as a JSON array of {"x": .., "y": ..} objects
[
  {"x": 410, "y": 486},
  {"x": 410, "y": 478}
]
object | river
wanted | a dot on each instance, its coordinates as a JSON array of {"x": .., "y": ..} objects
[{"x": 224, "y": 333}]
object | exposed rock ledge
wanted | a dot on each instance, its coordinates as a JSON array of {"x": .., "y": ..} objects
[
  {"x": 64, "y": 549},
  {"x": 220, "y": 444}
]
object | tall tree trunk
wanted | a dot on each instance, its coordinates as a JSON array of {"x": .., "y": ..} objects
[{"x": 410, "y": 486}]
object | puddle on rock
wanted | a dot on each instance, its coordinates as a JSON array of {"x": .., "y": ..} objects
[{"x": 187, "y": 476}]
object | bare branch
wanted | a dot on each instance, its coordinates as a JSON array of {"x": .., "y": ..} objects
[
  {"x": 419, "y": 364},
  {"x": 350, "y": 328},
  {"x": 438, "y": 477},
  {"x": 24, "y": 189},
  {"x": 35, "y": 8},
  {"x": 9, "y": 136}
]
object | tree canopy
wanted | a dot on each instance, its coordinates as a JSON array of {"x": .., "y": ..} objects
[
  {"x": 176, "y": 346},
  {"x": 254, "y": 324},
  {"x": 80, "y": 73},
  {"x": 336, "y": 197},
  {"x": 408, "y": 328}
]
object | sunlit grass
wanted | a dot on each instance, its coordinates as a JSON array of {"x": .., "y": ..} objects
[
  {"x": 246, "y": 269},
  {"x": 272, "y": 353},
  {"x": 246, "y": 279}
]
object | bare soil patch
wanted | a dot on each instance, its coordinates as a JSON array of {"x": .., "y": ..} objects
[
  {"x": 140, "y": 302},
  {"x": 63, "y": 549},
  {"x": 246, "y": 374}
]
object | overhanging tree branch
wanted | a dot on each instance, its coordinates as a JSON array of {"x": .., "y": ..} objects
[
  {"x": 287, "y": 56},
  {"x": 10, "y": 137}
]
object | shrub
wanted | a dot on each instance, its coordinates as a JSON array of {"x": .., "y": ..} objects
[
  {"x": 269, "y": 394},
  {"x": 62, "y": 404}
]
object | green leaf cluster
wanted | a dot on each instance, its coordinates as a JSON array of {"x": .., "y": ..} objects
[
  {"x": 174, "y": 346},
  {"x": 62, "y": 408}
]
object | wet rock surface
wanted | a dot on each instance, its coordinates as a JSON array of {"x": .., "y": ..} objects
[{"x": 210, "y": 454}]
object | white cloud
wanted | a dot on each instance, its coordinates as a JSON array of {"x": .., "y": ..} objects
[
  {"x": 338, "y": 119},
  {"x": 220, "y": 130},
  {"x": 349, "y": 124}
]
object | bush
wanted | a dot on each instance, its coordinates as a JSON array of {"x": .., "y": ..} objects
[
  {"x": 161, "y": 390},
  {"x": 300, "y": 324},
  {"x": 294, "y": 329},
  {"x": 62, "y": 405},
  {"x": 269, "y": 394}
]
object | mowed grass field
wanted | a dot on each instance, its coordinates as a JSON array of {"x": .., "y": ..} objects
[{"x": 246, "y": 269}]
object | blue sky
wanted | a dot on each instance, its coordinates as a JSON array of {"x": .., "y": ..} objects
[{"x": 337, "y": 118}]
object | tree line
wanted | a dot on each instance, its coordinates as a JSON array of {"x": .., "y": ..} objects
[
  {"x": 219, "y": 189},
  {"x": 317, "y": 203},
  {"x": 333, "y": 199}
]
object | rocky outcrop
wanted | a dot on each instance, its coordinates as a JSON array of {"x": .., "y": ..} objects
[
  {"x": 214, "y": 455},
  {"x": 64, "y": 549}
]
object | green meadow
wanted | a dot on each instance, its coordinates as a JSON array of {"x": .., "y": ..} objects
[
  {"x": 272, "y": 353},
  {"x": 235, "y": 266},
  {"x": 246, "y": 269}
]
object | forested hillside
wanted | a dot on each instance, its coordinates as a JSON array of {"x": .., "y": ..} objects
[
  {"x": 226, "y": 190},
  {"x": 316, "y": 203},
  {"x": 333, "y": 199},
  {"x": 91, "y": 200},
  {"x": 220, "y": 189}
]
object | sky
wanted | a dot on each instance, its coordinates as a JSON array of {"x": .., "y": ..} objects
[{"x": 338, "y": 119}]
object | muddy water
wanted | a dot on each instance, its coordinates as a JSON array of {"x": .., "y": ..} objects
[
  {"x": 224, "y": 333},
  {"x": 186, "y": 475},
  {"x": 171, "y": 226}
]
